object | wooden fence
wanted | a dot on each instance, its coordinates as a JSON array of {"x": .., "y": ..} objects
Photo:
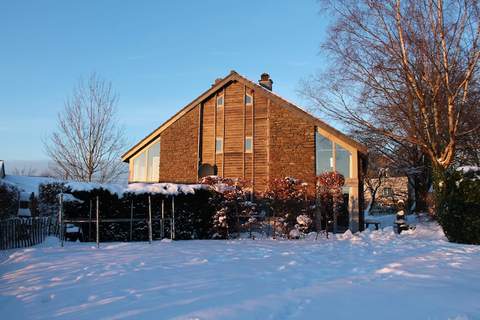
[{"x": 25, "y": 232}]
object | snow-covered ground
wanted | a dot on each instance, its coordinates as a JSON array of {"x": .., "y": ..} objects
[{"x": 374, "y": 275}]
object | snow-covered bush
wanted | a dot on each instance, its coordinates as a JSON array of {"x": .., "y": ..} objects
[
  {"x": 304, "y": 223},
  {"x": 48, "y": 198},
  {"x": 288, "y": 198},
  {"x": 8, "y": 200},
  {"x": 231, "y": 204},
  {"x": 459, "y": 216},
  {"x": 194, "y": 215}
]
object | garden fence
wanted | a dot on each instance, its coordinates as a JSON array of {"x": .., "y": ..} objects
[{"x": 25, "y": 232}]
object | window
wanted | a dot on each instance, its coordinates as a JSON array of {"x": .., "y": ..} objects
[
  {"x": 153, "y": 162},
  {"x": 219, "y": 145},
  {"x": 387, "y": 192},
  {"x": 342, "y": 160},
  {"x": 324, "y": 153},
  {"x": 248, "y": 144},
  {"x": 220, "y": 101},
  {"x": 248, "y": 99},
  {"x": 146, "y": 166},
  {"x": 139, "y": 167}
]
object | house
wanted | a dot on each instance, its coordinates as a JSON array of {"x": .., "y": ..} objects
[
  {"x": 2, "y": 169},
  {"x": 391, "y": 190},
  {"x": 242, "y": 129}
]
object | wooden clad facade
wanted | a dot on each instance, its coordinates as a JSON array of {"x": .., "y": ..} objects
[{"x": 240, "y": 129}]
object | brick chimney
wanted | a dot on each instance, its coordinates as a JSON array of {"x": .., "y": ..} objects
[
  {"x": 217, "y": 81},
  {"x": 265, "y": 81}
]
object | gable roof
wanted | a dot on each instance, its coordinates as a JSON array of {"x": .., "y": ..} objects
[{"x": 234, "y": 76}]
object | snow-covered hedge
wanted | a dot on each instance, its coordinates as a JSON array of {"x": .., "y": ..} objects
[
  {"x": 193, "y": 215},
  {"x": 8, "y": 199}
]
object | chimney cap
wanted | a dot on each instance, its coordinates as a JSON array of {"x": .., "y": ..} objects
[
  {"x": 264, "y": 76},
  {"x": 265, "y": 81}
]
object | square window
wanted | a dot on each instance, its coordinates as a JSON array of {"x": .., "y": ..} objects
[
  {"x": 220, "y": 101},
  {"x": 387, "y": 192},
  {"x": 248, "y": 144},
  {"x": 219, "y": 145},
  {"x": 248, "y": 99}
]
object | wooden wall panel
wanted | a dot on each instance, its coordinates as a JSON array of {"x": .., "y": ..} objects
[
  {"x": 234, "y": 139},
  {"x": 260, "y": 143},
  {"x": 208, "y": 136}
]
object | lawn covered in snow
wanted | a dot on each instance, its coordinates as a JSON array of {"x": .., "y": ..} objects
[{"x": 373, "y": 275}]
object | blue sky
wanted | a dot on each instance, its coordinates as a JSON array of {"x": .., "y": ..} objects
[{"x": 159, "y": 55}]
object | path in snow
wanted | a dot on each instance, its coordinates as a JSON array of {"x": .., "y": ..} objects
[{"x": 377, "y": 275}]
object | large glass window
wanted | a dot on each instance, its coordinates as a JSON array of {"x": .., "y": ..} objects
[
  {"x": 342, "y": 160},
  {"x": 139, "y": 168},
  {"x": 146, "y": 166},
  {"x": 153, "y": 162},
  {"x": 325, "y": 156},
  {"x": 324, "y": 149}
]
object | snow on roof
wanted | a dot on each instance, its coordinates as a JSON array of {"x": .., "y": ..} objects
[{"x": 27, "y": 183}]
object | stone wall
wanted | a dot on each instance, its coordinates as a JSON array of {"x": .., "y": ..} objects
[
  {"x": 292, "y": 145},
  {"x": 179, "y": 150}
]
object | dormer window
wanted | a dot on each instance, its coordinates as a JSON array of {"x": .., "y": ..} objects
[
  {"x": 248, "y": 99},
  {"x": 220, "y": 101}
]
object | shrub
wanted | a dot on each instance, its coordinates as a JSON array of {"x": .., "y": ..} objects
[
  {"x": 329, "y": 189},
  {"x": 288, "y": 199},
  {"x": 8, "y": 200},
  {"x": 231, "y": 205},
  {"x": 193, "y": 213},
  {"x": 459, "y": 214},
  {"x": 47, "y": 198}
]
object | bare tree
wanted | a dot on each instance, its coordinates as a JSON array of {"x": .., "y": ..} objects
[
  {"x": 88, "y": 142},
  {"x": 404, "y": 69},
  {"x": 399, "y": 158}
]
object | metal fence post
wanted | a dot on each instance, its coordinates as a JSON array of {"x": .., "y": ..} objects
[
  {"x": 149, "y": 219},
  {"x": 131, "y": 219},
  {"x": 173, "y": 219},
  {"x": 90, "y": 222},
  {"x": 98, "y": 224},
  {"x": 162, "y": 224},
  {"x": 60, "y": 217}
]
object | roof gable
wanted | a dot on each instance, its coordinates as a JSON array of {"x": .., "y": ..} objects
[{"x": 234, "y": 76}]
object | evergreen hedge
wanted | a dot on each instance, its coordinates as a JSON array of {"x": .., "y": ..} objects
[{"x": 459, "y": 215}]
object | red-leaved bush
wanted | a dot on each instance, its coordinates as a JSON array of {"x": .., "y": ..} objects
[
  {"x": 288, "y": 199},
  {"x": 330, "y": 195}
]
